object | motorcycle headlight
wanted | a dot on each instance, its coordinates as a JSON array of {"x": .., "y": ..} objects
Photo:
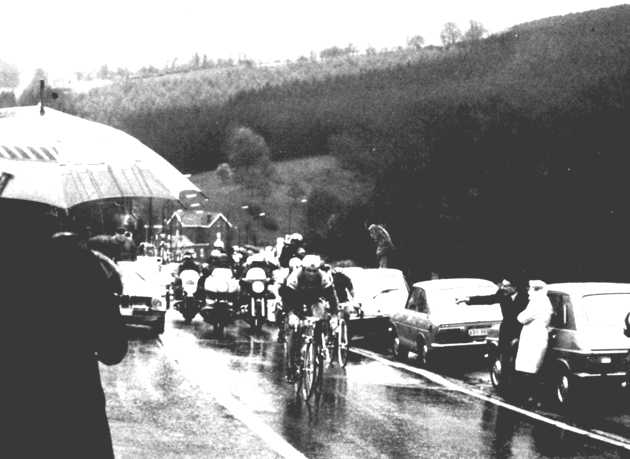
[
  {"x": 156, "y": 303},
  {"x": 258, "y": 287}
]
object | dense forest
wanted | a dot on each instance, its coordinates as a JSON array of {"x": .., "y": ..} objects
[{"x": 504, "y": 153}]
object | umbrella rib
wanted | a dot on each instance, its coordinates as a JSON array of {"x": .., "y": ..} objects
[
  {"x": 111, "y": 172},
  {"x": 144, "y": 179},
  {"x": 95, "y": 184},
  {"x": 79, "y": 180}
]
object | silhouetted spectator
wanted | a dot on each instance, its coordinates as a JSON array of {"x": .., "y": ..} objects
[{"x": 63, "y": 319}]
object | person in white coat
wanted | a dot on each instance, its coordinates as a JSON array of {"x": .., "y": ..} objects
[{"x": 534, "y": 334}]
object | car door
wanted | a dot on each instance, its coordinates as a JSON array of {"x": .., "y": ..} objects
[{"x": 405, "y": 320}]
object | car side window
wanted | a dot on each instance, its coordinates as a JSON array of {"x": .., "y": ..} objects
[
  {"x": 422, "y": 301},
  {"x": 417, "y": 300},
  {"x": 562, "y": 316},
  {"x": 558, "y": 316}
]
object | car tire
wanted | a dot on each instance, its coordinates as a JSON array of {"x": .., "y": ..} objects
[
  {"x": 399, "y": 352},
  {"x": 495, "y": 369},
  {"x": 158, "y": 328},
  {"x": 422, "y": 353},
  {"x": 562, "y": 387}
]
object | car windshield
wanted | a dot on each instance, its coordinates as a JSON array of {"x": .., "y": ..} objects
[
  {"x": 606, "y": 310},
  {"x": 369, "y": 285}
]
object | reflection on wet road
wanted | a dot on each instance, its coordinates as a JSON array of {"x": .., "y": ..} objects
[{"x": 193, "y": 394}]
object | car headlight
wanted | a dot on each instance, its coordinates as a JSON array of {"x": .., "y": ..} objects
[
  {"x": 258, "y": 286},
  {"x": 156, "y": 303}
]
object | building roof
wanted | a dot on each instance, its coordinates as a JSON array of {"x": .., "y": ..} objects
[{"x": 198, "y": 218}]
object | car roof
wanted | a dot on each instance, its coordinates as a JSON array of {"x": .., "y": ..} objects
[
  {"x": 586, "y": 288},
  {"x": 454, "y": 282}
]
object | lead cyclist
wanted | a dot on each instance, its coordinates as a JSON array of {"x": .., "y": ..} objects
[{"x": 309, "y": 288}]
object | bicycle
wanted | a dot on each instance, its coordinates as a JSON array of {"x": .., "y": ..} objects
[{"x": 309, "y": 363}]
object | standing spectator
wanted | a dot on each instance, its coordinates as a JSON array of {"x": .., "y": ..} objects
[
  {"x": 513, "y": 298},
  {"x": 384, "y": 245},
  {"x": 534, "y": 337},
  {"x": 53, "y": 403}
]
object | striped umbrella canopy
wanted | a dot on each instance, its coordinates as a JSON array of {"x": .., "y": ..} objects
[{"x": 63, "y": 160}]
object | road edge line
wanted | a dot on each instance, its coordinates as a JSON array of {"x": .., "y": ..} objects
[
  {"x": 438, "y": 379},
  {"x": 270, "y": 437}
]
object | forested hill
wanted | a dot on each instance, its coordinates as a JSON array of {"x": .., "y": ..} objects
[
  {"x": 510, "y": 150},
  {"x": 536, "y": 66}
]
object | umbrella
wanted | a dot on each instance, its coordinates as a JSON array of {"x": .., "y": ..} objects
[{"x": 63, "y": 160}]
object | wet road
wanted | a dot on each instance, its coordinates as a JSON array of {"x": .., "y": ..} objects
[{"x": 191, "y": 394}]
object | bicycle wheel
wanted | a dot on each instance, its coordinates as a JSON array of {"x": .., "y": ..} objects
[
  {"x": 308, "y": 371},
  {"x": 342, "y": 344}
]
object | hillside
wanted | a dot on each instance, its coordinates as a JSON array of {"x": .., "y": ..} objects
[
  {"x": 320, "y": 171},
  {"x": 517, "y": 140}
]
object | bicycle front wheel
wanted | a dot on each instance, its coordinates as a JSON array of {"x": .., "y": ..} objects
[
  {"x": 342, "y": 344},
  {"x": 307, "y": 375}
]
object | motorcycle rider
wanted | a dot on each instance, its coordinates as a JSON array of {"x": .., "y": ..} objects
[
  {"x": 188, "y": 263},
  {"x": 294, "y": 263},
  {"x": 306, "y": 286}
]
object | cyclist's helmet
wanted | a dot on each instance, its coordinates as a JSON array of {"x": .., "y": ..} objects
[{"x": 311, "y": 262}]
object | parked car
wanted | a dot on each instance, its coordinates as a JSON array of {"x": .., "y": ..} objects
[
  {"x": 432, "y": 319},
  {"x": 141, "y": 301},
  {"x": 586, "y": 338},
  {"x": 378, "y": 292}
]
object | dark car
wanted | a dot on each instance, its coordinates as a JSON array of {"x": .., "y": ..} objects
[{"x": 586, "y": 338}]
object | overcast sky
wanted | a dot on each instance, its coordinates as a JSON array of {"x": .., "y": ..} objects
[{"x": 63, "y": 36}]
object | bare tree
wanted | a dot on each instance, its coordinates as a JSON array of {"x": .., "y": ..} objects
[
  {"x": 476, "y": 31},
  {"x": 416, "y": 42},
  {"x": 450, "y": 34}
]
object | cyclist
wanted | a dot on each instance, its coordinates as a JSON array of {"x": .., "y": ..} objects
[{"x": 306, "y": 286}]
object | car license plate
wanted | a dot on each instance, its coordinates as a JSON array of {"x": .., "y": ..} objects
[
  {"x": 126, "y": 311},
  {"x": 478, "y": 331},
  {"x": 141, "y": 308}
]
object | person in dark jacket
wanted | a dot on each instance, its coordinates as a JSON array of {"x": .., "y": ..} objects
[
  {"x": 513, "y": 298},
  {"x": 63, "y": 318}
]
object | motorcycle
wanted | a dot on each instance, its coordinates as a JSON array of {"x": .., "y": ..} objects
[
  {"x": 186, "y": 301},
  {"x": 220, "y": 292},
  {"x": 256, "y": 289}
]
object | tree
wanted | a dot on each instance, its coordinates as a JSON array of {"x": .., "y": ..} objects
[
  {"x": 103, "y": 72},
  {"x": 475, "y": 32},
  {"x": 7, "y": 99},
  {"x": 224, "y": 172},
  {"x": 450, "y": 34},
  {"x": 416, "y": 42},
  {"x": 250, "y": 160},
  {"x": 30, "y": 95},
  {"x": 9, "y": 75}
]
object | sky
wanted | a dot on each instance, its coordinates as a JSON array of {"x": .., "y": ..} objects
[{"x": 66, "y": 36}]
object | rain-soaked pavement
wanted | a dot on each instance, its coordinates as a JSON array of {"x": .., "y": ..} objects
[{"x": 191, "y": 394}]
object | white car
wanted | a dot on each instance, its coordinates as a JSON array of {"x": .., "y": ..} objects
[
  {"x": 432, "y": 319},
  {"x": 142, "y": 300},
  {"x": 378, "y": 293}
]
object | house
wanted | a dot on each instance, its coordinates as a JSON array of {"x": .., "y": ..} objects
[{"x": 200, "y": 226}]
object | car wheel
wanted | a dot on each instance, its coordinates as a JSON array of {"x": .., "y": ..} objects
[
  {"x": 398, "y": 350},
  {"x": 422, "y": 353},
  {"x": 562, "y": 387},
  {"x": 158, "y": 329},
  {"x": 496, "y": 371}
]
